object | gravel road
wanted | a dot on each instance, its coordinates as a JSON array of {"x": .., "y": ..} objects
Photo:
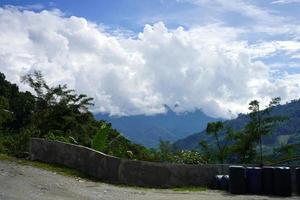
[{"x": 24, "y": 182}]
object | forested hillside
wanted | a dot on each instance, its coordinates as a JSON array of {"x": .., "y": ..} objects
[
  {"x": 286, "y": 132},
  {"x": 56, "y": 113}
]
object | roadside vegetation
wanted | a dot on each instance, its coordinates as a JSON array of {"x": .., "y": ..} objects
[{"x": 59, "y": 113}]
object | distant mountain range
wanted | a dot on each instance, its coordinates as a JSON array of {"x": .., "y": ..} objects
[
  {"x": 286, "y": 132},
  {"x": 148, "y": 130}
]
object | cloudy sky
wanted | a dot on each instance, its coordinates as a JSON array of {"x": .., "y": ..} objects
[{"x": 135, "y": 56}]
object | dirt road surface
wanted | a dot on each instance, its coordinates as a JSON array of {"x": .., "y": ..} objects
[{"x": 24, "y": 182}]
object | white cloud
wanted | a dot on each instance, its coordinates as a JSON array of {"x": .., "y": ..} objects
[
  {"x": 244, "y": 8},
  {"x": 251, "y": 16},
  {"x": 37, "y": 6},
  {"x": 285, "y": 1},
  {"x": 204, "y": 67}
]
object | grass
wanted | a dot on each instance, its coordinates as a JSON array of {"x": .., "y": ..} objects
[
  {"x": 189, "y": 189},
  {"x": 6, "y": 157}
]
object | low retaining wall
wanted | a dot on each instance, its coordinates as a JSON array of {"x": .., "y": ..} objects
[{"x": 115, "y": 170}]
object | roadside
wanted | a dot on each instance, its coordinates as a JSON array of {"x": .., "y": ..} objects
[{"x": 21, "y": 179}]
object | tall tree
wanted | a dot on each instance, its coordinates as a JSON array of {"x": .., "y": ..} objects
[
  {"x": 214, "y": 128},
  {"x": 221, "y": 134},
  {"x": 261, "y": 123}
]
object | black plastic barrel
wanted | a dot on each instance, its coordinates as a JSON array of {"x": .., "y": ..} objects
[
  {"x": 216, "y": 182},
  {"x": 224, "y": 184},
  {"x": 237, "y": 180},
  {"x": 282, "y": 181},
  {"x": 297, "y": 171},
  {"x": 254, "y": 180},
  {"x": 267, "y": 180}
]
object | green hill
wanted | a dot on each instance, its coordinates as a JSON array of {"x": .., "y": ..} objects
[{"x": 287, "y": 132}]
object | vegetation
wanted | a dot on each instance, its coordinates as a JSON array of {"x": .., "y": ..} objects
[
  {"x": 261, "y": 123},
  {"x": 221, "y": 152},
  {"x": 58, "y": 113},
  {"x": 189, "y": 189},
  {"x": 243, "y": 144}
]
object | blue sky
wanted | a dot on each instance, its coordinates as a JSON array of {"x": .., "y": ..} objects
[
  {"x": 134, "y": 14},
  {"x": 209, "y": 45}
]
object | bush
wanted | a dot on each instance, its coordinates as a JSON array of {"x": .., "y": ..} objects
[{"x": 188, "y": 157}]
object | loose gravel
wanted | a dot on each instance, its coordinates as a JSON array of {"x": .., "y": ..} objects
[{"x": 24, "y": 182}]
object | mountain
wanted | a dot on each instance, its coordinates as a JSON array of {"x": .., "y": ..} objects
[
  {"x": 286, "y": 132},
  {"x": 148, "y": 130}
]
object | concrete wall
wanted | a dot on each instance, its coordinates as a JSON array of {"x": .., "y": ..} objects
[{"x": 115, "y": 170}]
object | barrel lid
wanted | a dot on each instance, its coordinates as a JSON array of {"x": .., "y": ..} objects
[
  {"x": 256, "y": 168},
  {"x": 282, "y": 167},
  {"x": 268, "y": 167},
  {"x": 236, "y": 166},
  {"x": 219, "y": 176}
]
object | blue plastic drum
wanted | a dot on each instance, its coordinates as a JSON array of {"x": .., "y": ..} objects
[
  {"x": 224, "y": 184},
  {"x": 282, "y": 181},
  {"x": 267, "y": 180},
  {"x": 254, "y": 180},
  {"x": 297, "y": 171},
  {"x": 216, "y": 182},
  {"x": 237, "y": 180}
]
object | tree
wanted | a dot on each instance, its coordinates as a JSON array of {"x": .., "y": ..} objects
[
  {"x": 214, "y": 128},
  {"x": 166, "y": 151},
  {"x": 57, "y": 113},
  {"x": 261, "y": 123},
  {"x": 285, "y": 152},
  {"x": 16, "y": 105},
  {"x": 5, "y": 114},
  {"x": 100, "y": 140},
  {"x": 60, "y": 111},
  {"x": 206, "y": 152}
]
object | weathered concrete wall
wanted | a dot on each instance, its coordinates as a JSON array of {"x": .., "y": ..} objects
[
  {"x": 112, "y": 169},
  {"x": 116, "y": 170}
]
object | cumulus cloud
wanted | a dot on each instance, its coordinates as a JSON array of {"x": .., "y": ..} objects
[{"x": 205, "y": 67}]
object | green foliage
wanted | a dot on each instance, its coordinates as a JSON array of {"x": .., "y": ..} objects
[
  {"x": 100, "y": 140},
  {"x": 189, "y": 157},
  {"x": 206, "y": 151},
  {"x": 55, "y": 137},
  {"x": 61, "y": 111},
  {"x": 261, "y": 124},
  {"x": 217, "y": 152},
  {"x": 241, "y": 145},
  {"x": 15, "y": 144},
  {"x": 214, "y": 129},
  {"x": 57, "y": 113},
  {"x": 166, "y": 151},
  {"x": 285, "y": 152},
  {"x": 5, "y": 114}
]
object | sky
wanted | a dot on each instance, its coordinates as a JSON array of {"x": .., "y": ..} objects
[{"x": 135, "y": 56}]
